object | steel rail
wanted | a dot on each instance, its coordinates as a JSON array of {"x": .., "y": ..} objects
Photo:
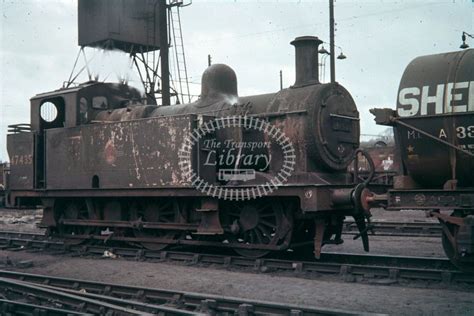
[
  {"x": 371, "y": 266},
  {"x": 9, "y": 307},
  {"x": 140, "y": 306},
  {"x": 75, "y": 302},
  {"x": 188, "y": 302}
]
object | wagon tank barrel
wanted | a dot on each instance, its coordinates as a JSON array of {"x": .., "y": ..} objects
[{"x": 433, "y": 119}]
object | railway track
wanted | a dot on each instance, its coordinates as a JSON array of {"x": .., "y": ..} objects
[
  {"x": 389, "y": 269},
  {"x": 81, "y": 297},
  {"x": 402, "y": 229}
]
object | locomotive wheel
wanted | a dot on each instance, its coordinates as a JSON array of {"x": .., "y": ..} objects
[
  {"x": 74, "y": 210},
  {"x": 157, "y": 211},
  {"x": 259, "y": 223},
  {"x": 450, "y": 251}
]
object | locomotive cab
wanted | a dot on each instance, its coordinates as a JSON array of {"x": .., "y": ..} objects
[
  {"x": 62, "y": 108},
  {"x": 69, "y": 107}
]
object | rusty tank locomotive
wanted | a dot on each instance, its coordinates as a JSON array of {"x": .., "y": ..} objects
[
  {"x": 107, "y": 166},
  {"x": 434, "y": 129}
]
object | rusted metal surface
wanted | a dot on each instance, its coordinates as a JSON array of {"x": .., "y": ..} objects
[
  {"x": 83, "y": 104},
  {"x": 306, "y": 60},
  {"x": 109, "y": 160},
  {"x": 431, "y": 199},
  {"x": 320, "y": 226},
  {"x": 458, "y": 238},
  {"x": 132, "y": 224},
  {"x": 312, "y": 198},
  {"x": 398, "y": 228},
  {"x": 129, "y": 154},
  {"x": 321, "y": 120}
]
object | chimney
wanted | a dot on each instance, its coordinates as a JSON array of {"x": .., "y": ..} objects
[{"x": 306, "y": 60}]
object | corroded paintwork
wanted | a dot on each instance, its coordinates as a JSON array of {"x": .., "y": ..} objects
[
  {"x": 109, "y": 159},
  {"x": 130, "y": 154}
]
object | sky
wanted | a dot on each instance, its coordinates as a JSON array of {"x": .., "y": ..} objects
[{"x": 38, "y": 46}]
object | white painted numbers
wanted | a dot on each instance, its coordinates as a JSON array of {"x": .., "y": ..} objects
[
  {"x": 453, "y": 97},
  {"x": 461, "y": 132}
]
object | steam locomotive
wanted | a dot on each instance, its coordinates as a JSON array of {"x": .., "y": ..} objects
[
  {"x": 256, "y": 174},
  {"x": 434, "y": 133}
]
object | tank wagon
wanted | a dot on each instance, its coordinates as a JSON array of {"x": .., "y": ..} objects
[
  {"x": 434, "y": 130},
  {"x": 105, "y": 165}
]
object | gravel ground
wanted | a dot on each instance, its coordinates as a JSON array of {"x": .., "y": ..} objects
[
  {"x": 20, "y": 220},
  {"x": 329, "y": 292}
]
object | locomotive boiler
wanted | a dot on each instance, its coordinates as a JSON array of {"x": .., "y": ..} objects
[
  {"x": 434, "y": 129},
  {"x": 256, "y": 174}
]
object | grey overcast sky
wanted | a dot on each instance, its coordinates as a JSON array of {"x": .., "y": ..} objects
[{"x": 38, "y": 43}]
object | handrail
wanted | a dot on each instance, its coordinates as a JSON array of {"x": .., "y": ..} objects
[{"x": 19, "y": 128}]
